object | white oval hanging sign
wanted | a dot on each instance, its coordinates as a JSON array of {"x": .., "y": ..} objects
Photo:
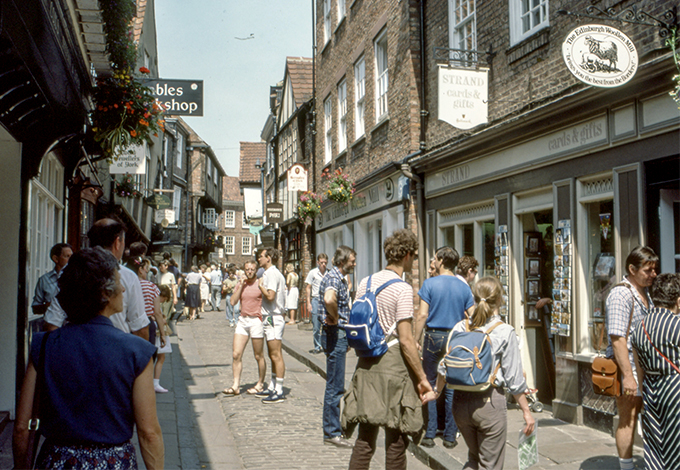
[{"x": 600, "y": 56}]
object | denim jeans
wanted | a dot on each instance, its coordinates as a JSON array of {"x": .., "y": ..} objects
[
  {"x": 232, "y": 312},
  {"x": 316, "y": 323},
  {"x": 216, "y": 296},
  {"x": 434, "y": 348},
  {"x": 334, "y": 342}
]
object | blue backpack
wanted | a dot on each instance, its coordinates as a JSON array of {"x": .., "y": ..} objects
[
  {"x": 363, "y": 329},
  {"x": 469, "y": 360}
]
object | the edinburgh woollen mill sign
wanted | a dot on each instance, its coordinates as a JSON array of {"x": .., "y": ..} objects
[
  {"x": 463, "y": 97},
  {"x": 600, "y": 56}
]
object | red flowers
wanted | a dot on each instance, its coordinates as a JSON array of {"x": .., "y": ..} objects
[{"x": 144, "y": 70}]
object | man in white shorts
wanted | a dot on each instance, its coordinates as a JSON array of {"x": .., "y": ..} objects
[
  {"x": 273, "y": 287},
  {"x": 247, "y": 291}
]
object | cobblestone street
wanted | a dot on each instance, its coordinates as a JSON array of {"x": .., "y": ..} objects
[{"x": 216, "y": 431}]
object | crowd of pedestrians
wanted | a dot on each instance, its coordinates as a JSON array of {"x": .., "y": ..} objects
[{"x": 402, "y": 391}]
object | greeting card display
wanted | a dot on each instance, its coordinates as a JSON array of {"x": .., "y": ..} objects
[{"x": 561, "y": 293}]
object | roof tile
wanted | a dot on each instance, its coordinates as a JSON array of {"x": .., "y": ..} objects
[{"x": 250, "y": 153}]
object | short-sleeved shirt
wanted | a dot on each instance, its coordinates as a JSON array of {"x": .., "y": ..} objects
[
  {"x": 149, "y": 292},
  {"x": 251, "y": 300},
  {"x": 168, "y": 279},
  {"x": 216, "y": 277},
  {"x": 505, "y": 348},
  {"x": 46, "y": 288},
  {"x": 448, "y": 298},
  {"x": 314, "y": 278},
  {"x": 395, "y": 302},
  {"x": 90, "y": 370},
  {"x": 132, "y": 318},
  {"x": 194, "y": 278},
  {"x": 272, "y": 279},
  {"x": 334, "y": 280},
  {"x": 617, "y": 308}
]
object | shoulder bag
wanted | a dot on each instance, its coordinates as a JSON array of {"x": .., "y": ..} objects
[{"x": 606, "y": 376}]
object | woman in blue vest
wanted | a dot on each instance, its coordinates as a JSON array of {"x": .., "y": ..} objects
[{"x": 97, "y": 380}]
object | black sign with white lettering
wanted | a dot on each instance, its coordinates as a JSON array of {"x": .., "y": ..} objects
[{"x": 178, "y": 97}]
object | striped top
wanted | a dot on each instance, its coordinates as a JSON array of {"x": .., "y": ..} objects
[
  {"x": 150, "y": 292},
  {"x": 395, "y": 302}
]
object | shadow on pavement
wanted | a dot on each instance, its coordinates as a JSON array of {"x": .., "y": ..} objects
[{"x": 608, "y": 462}]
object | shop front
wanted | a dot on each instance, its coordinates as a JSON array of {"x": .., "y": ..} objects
[
  {"x": 554, "y": 216},
  {"x": 374, "y": 212}
]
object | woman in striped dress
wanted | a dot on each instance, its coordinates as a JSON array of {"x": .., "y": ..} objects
[{"x": 656, "y": 342}]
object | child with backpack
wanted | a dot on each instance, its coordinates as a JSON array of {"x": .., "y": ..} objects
[{"x": 480, "y": 410}]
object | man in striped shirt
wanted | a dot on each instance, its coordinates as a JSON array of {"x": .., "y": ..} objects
[{"x": 334, "y": 309}]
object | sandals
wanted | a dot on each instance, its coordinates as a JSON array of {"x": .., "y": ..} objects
[
  {"x": 254, "y": 390},
  {"x": 231, "y": 392}
]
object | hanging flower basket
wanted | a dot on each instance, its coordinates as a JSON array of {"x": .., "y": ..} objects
[
  {"x": 126, "y": 113},
  {"x": 340, "y": 187},
  {"x": 309, "y": 207},
  {"x": 126, "y": 187}
]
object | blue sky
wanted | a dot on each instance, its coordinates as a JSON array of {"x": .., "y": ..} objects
[{"x": 197, "y": 40}]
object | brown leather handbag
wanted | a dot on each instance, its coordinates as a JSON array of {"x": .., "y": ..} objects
[{"x": 605, "y": 372}]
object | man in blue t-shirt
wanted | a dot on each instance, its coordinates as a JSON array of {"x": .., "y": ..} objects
[{"x": 444, "y": 300}]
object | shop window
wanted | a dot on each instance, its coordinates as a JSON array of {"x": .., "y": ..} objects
[
  {"x": 599, "y": 264},
  {"x": 486, "y": 267},
  {"x": 468, "y": 241}
]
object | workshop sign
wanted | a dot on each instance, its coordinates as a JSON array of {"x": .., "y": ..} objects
[
  {"x": 178, "y": 97},
  {"x": 463, "y": 96},
  {"x": 600, "y": 56}
]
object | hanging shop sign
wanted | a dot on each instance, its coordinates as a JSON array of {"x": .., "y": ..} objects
[
  {"x": 132, "y": 161},
  {"x": 600, "y": 56},
  {"x": 297, "y": 178},
  {"x": 463, "y": 96},
  {"x": 164, "y": 217},
  {"x": 274, "y": 212},
  {"x": 158, "y": 201},
  {"x": 178, "y": 97}
]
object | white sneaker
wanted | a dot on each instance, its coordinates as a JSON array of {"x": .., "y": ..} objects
[{"x": 159, "y": 389}]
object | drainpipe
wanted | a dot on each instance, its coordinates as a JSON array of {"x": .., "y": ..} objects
[
  {"x": 405, "y": 169},
  {"x": 423, "y": 79}
]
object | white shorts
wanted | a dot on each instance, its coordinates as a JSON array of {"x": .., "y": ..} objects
[
  {"x": 249, "y": 326},
  {"x": 276, "y": 331}
]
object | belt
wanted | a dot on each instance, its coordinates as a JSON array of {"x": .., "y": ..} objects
[{"x": 437, "y": 330}]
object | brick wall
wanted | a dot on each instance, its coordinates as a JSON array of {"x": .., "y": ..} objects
[
  {"x": 530, "y": 73},
  {"x": 395, "y": 137}
]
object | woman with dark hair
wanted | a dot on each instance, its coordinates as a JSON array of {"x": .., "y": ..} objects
[
  {"x": 656, "y": 343},
  {"x": 97, "y": 380},
  {"x": 482, "y": 417},
  {"x": 627, "y": 304},
  {"x": 152, "y": 306}
]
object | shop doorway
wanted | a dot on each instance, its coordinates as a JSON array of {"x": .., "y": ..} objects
[
  {"x": 669, "y": 230},
  {"x": 537, "y": 281}
]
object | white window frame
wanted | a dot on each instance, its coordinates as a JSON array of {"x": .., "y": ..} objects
[
  {"x": 359, "y": 98},
  {"x": 246, "y": 246},
  {"x": 326, "y": 21},
  {"x": 328, "y": 128},
  {"x": 180, "y": 150},
  {"x": 342, "y": 115},
  {"x": 527, "y": 19},
  {"x": 229, "y": 219},
  {"x": 177, "y": 202},
  {"x": 463, "y": 26},
  {"x": 342, "y": 10},
  {"x": 244, "y": 221},
  {"x": 209, "y": 217},
  {"x": 381, "y": 75},
  {"x": 229, "y": 242}
]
